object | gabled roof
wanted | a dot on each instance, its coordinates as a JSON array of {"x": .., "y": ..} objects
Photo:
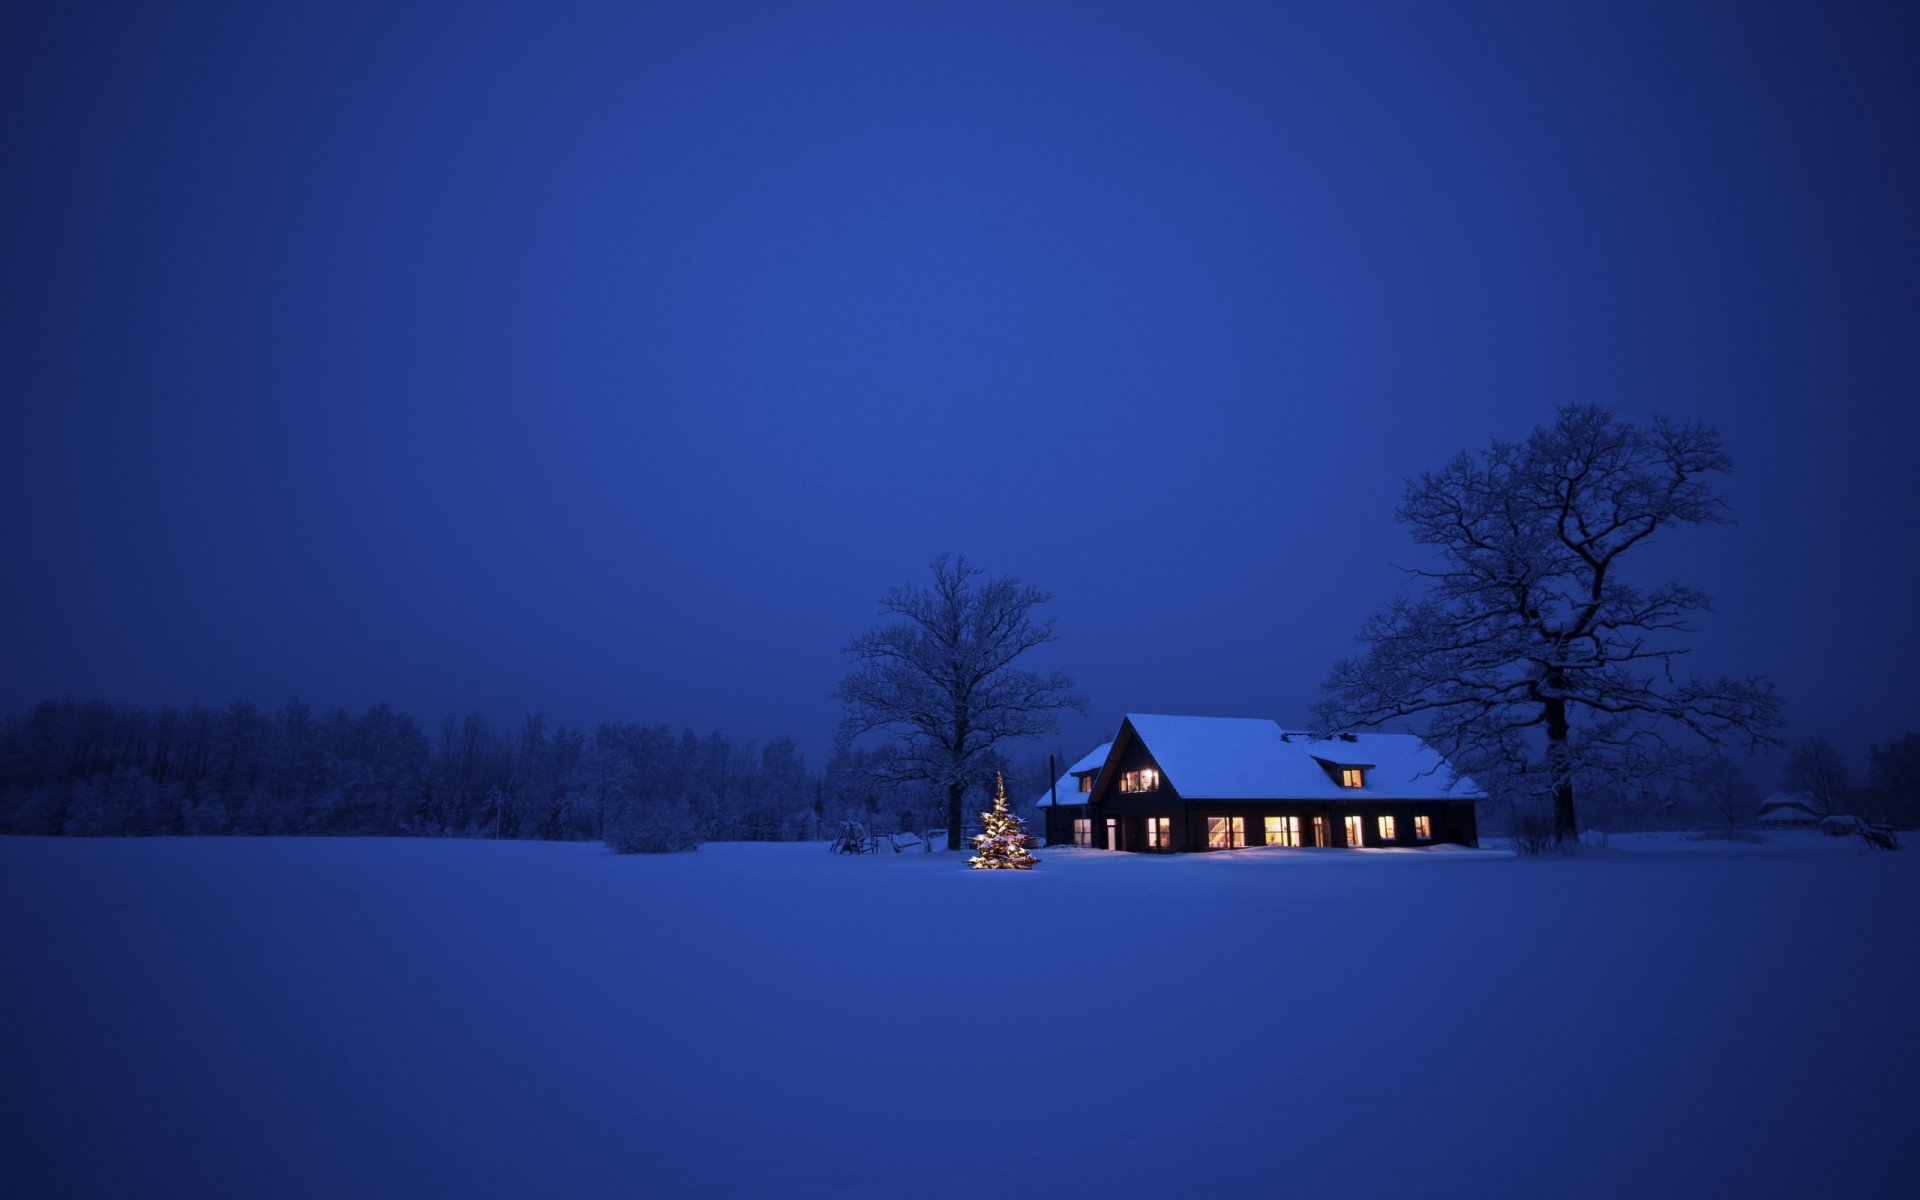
[
  {"x": 1068, "y": 788},
  {"x": 1238, "y": 758},
  {"x": 1093, "y": 760},
  {"x": 1790, "y": 806}
]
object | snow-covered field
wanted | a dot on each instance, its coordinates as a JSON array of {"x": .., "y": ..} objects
[{"x": 266, "y": 1018}]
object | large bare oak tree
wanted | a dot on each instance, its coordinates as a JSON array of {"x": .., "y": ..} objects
[
  {"x": 1528, "y": 656},
  {"x": 940, "y": 681}
]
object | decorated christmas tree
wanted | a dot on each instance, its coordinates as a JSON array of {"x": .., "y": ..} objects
[{"x": 1003, "y": 847}]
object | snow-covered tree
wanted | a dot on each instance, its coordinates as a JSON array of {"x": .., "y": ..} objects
[
  {"x": 941, "y": 683},
  {"x": 1726, "y": 793},
  {"x": 601, "y": 782},
  {"x": 1816, "y": 768},
  {"x": 1002, "y": 846},
  {"x": 1894, "y": 782},
  {"x": 1531, "y": 661}
]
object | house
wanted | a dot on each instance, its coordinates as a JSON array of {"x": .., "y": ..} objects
[
  {"x": 1063, "y": 807},
  {"x": 1789, "y": 810},
  {"x": 1172, "y": 783}
]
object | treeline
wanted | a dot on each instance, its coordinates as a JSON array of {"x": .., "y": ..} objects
[
  {"x": 1718, "y": 792},
  {"x": 98, "y": 769}
]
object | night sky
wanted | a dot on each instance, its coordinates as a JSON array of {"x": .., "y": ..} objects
[{"x": 610, "y": 361}]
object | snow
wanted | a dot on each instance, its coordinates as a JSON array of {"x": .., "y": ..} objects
[
  {"x": 1241, "y": 758},
  {"x": 1789, "y": 806},
  {"x": 1067, "y": 788},
  {"x": 1092, "y": 760},
  {"x": 341, "y": 1017}
]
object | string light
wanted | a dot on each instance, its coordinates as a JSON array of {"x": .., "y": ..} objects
[{"x": 1003, "y": 844}]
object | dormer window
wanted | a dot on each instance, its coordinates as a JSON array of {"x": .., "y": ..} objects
[
  {"x": 1086, "y": 783},
  {"x": 1348, "y": 774},
  {"x": 1145, "y": 779}
]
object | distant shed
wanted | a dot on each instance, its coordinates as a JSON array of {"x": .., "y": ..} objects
[{"x": 1789, "y": 810}]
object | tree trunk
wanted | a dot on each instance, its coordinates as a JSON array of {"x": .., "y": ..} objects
[
  {"x": 1560, "y": 774},
  {"x": 956, "y": 796}
]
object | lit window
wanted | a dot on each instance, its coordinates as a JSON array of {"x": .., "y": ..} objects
[
  {"x": 1283, "y": 831},
  {"x": 1320, "y": 832},
  {"x": 1144, "y": 780},
  {"x": 1159, "y": 833},
  {"x": 1086, "y": 783},
  {"x": 1353, "y": 831},
  {"x": 1423, "y": 828},
  {"x": 1082, "y": 831},
  {"x": 1226, "y": 833},
  {"x": 1352, "y": 777},
  {"x": 1386, "y": 829}
]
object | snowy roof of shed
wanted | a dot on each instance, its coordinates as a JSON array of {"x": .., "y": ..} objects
[
  {"x": 1789, "y": 806},
  {"x": 1068, "y": 789},
  {"x": 1239, "y": 758}
]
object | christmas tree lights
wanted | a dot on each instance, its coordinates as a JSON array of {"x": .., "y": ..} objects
[{"x": 1003, "y": 847}]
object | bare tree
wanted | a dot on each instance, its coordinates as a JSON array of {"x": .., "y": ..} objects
[
  {"x": 1727, "y": 793},
  {"x": 1816, "y": 768},
  {"x": 940, "y": 681},
  {"x": 1894, "y": 781},
  {"x": 1529, "y": 658}
]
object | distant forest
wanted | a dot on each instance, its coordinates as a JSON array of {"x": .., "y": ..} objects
[
  {"x": 93, "y": 769},
  {"x": 106, "y": 770}
]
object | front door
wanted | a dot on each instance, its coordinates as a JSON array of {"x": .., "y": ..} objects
[{"x": 1113, "y": 834}]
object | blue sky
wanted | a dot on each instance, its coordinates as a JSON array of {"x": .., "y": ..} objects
[{"x": 611, "y": 361}]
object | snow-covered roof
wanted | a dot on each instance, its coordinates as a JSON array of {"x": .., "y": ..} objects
[
  {"x": 1237, "y": 758},
  {"x": 1789, "y": 806},
  {"x": 1092, "y": 761},
  {"x": 1068, "y": 788}
]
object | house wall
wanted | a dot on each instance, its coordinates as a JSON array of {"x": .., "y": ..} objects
[
  {"x": 1131, "y": 809},
  {"x": 1112, "y": 800},
  {"x": 1453, "y": 822},
  {"x": 1059, "y": 823}
]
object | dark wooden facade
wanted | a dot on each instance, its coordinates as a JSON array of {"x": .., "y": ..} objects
[
  {"x": 1060, "y": 818},
  {"x": 1120, "y": 819},
  {"x": 1068, "y": 806}
]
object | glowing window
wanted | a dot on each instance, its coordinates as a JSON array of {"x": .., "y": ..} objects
[
  {"x": 1423, "y": 828},
  {"x": 1086, "y": 783},
  {"x": 1144, "y": 780},
  {"x": 1353, "y": 831},
  {"x": 1352, "y": 777},
  {"x": 1226, "y": 833},
  {"x": 1320, "y": 832},
  {"x": 1159, "y": 833},
  {"x": 1283, "y": 831},
  {"x": 1386, "y": 829},
  {"x": 1082, "y": 831}
]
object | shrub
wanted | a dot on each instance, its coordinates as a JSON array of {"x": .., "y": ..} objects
[{"x": 1530, "y": 825}]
